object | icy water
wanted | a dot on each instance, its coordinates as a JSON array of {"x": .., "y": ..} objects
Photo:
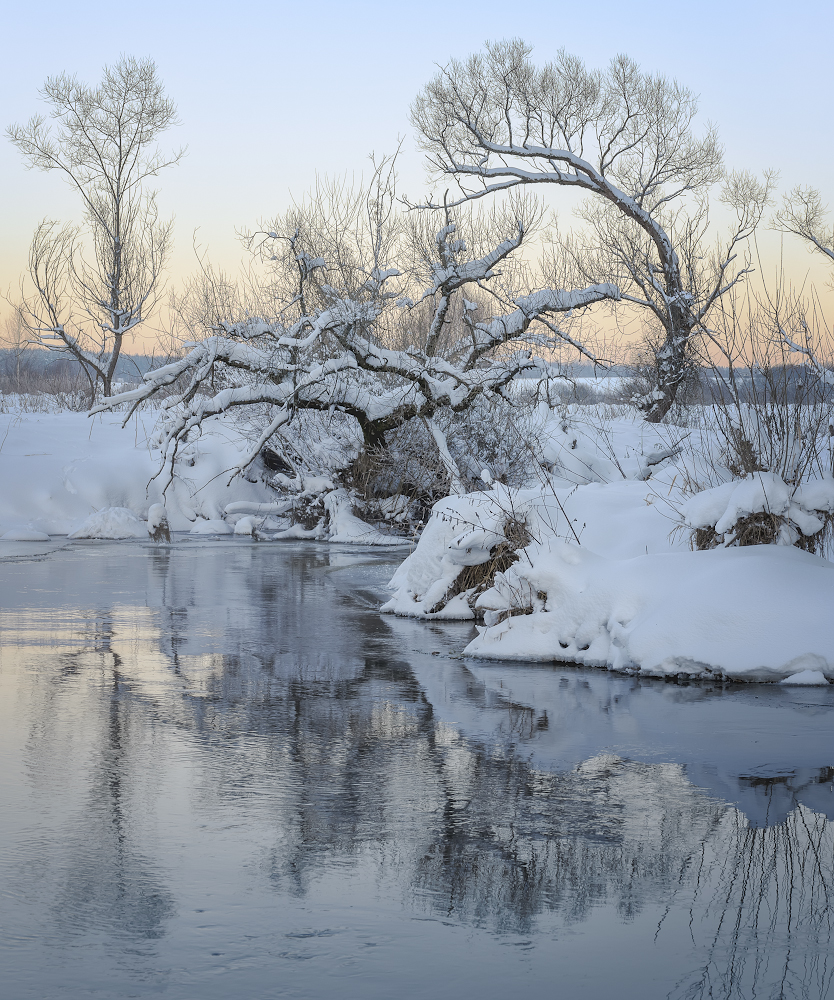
[{"x": 224, "y": 775}]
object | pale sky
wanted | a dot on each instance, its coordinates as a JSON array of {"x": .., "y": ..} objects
[{"x": 270, "y": 93}]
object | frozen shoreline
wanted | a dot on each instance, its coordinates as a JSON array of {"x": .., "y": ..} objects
[{"x": 758, "y": 613}]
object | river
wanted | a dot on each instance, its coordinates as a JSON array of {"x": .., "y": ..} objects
[{"x": 224, "y": 774}]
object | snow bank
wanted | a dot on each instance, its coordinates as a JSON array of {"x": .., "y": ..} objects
[
  {"x": 760, "y": 613},
  {"x": 630, "y": 596},
  {"x": 69, "y": 474},
  {"x": 57, "y": 469}
]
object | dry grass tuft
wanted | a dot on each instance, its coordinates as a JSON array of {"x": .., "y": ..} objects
[
  {"x": 481, "y": 577},
  {"x": 764, "y": 528}
]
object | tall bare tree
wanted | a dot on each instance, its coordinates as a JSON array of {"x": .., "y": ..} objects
[
  {"x": 92, "y": 284},
  {"x": 497, "y": 122}
]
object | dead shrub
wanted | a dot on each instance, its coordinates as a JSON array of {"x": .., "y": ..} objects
[
  {"x": 761, "y": 528},
  {"x": 706, "y": 538},
  {"x": 764, "y": 528},
  {"x": 820, "y": 542}
]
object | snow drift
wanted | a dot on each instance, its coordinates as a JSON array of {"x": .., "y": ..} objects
[
  {"x": 59, "y": 469},
  {"x": 624, "y": 595}
]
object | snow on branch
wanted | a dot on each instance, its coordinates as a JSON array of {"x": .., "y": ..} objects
[{"x": 338, "y": 354}]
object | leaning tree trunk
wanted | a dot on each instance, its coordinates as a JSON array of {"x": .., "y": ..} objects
[{"x": 670, "y": 365}]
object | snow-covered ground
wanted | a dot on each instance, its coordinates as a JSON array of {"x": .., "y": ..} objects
[{"x": 57, "y": 469}]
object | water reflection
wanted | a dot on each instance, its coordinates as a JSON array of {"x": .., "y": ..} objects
[
  {"x": 102, "y": 881},
  {"x": 235, "y": 721}
]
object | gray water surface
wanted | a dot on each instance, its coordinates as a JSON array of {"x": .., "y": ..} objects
[{"x": 224, "y": 775}]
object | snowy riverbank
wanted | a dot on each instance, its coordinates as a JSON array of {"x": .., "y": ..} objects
[
  {"x": 601, "y": 575},
  {"x": 57, "y": 469},
  {"x": 592, "y": 565}
]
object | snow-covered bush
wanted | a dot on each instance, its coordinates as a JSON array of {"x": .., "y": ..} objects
[
  {"x": 761, "y": 509},
  {"x": 498, "y": 435}
]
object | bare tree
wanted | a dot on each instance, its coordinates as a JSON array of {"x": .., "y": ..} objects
[
  {"x": 497, "y": 122},
  {"x": 315, "y": 332},
  {"x": 804, "y": 214},
  {"x": 90, "y": 285}
]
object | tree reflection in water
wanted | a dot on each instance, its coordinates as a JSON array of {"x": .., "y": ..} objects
[{"x": 304, "y": 715}]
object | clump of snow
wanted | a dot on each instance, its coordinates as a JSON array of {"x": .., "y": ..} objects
[
  {"x": 156, "y": 516},
  {"x": 297, "y": 532},
  {"x": 158, "y": 527},
  {"x": 248, "y": 507},
  {"x": 806, "y": 678},
  {"x": 24, "y": 535},
  {"x": 112, "y": 522},
  {"x": 312, "y": 485},
  {"x": 723, "y": 506},
  {"x": 816, "y": 494}
]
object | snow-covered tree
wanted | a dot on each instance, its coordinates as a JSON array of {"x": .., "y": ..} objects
[
  {"x": 93, "y": 284},
  {"x": 341, "y": 282},
  {"x": 496, "y": 122}
]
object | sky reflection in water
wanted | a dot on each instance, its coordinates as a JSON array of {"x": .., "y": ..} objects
[{"x": 224, "y": 774}]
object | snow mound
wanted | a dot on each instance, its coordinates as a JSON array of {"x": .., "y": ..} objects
[
  {"x": 620, "y": 520},
  {"x": 112, "y": 522},
  {"x": 741, "y": 613},
  {"x": 806, "y": 678},
  {"x": 722, "y": 506},
  {"x": 24, "y": 535}
]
